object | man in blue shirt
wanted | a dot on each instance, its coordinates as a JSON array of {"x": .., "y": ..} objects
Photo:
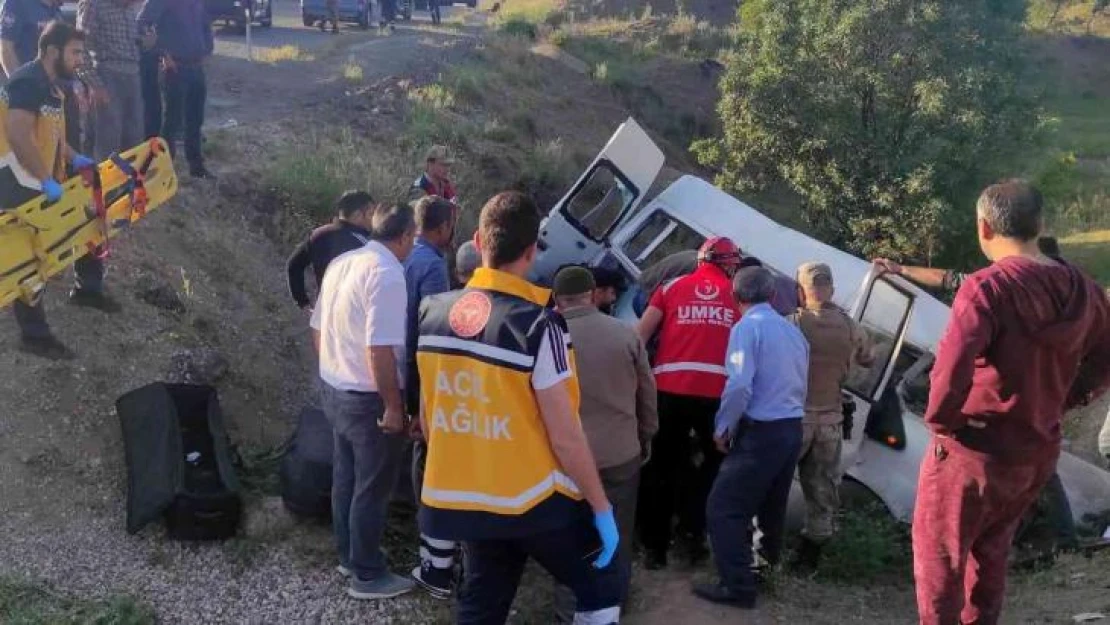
[
  {"x": 426, "y": 273},
  {"x": 759, "y": 427},
  {"x": 184, "y": 38}
]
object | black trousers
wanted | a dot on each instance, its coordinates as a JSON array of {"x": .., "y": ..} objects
[
  {"x": 754, "y": 482},
  {"x": 671, "y": 481},
  {"x": 494, "y": 568},
  {"x": 149, "y": 75},
  {"x": 186, "y": 92}
]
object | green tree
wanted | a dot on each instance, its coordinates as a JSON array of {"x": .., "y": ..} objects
[{"x": 884, "y": 116}]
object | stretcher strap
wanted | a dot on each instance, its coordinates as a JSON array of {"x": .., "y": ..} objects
[{"x": 91, "y": 177}]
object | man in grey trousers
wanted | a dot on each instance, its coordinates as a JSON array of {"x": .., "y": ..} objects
[
  {"x": 359, "y": 328},
  {"x": 113, "y": 41},
  {"x": 618, "y": 409}
]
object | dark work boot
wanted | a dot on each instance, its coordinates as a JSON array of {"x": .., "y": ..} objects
[
  {"x": 48, "y": 347},
  {"x": 93, "y": 299},
  {"x": 717, "y": 593},
  {"x": 807, "y": 557},
  {"x": 201, "y": 172}
]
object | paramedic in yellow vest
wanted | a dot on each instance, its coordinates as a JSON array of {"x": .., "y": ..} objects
[
  {"x": 33, "y": 155},
  {"x": 509, "y": 471}
]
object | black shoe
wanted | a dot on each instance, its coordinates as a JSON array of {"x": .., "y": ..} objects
[
  {"x": 99, "y": 301},
  {"x": 807, "y": 557},
  {"x": 201, "y": 173},
  {"x": 724, "y": 596},
  {"x": 47, "y": 347},
  {"x": 435, "y": 582},
  {"x": 655, "y": 560}
]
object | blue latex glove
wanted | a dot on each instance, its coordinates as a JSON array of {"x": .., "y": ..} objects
[
  {"x": 52, "y": 189},
  {"x": 606, "y": 526},
  {"x": 81, "y": 161}
]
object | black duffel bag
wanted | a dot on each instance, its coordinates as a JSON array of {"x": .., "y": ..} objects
[{"x": 179, "y": 462}]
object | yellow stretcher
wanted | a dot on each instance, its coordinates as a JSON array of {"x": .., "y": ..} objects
[{"x": 39, "y": 239}]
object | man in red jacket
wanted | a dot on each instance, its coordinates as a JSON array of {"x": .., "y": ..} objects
[
  {"x": 1029, "y": 337},
  {"x": 693, "y": 316}
]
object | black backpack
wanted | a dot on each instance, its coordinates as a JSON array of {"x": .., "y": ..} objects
[{"x": 306, "y": 466}]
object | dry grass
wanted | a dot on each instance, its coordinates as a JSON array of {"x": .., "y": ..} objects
[
  {"x": 283, "y": 54},
  {"x": 533, "y": 11},
  {"x": 1091, "y": 250},
  {"x": 352, "y": 72},
  {"x": 1074, "y": 17}
]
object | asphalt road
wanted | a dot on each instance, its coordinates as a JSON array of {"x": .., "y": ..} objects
[{"x": 289, "y": 30}]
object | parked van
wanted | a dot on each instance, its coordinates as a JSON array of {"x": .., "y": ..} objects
[
  {"x": 351, "y": 11},
  {"x": 602, "y": 221}
]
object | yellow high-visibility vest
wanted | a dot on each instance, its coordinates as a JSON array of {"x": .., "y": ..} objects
[{"x": 490, "y": 468}]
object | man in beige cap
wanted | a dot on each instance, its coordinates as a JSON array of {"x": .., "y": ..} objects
[
  {"x": 436, "y": 179},
  {"x": 835, "y": 342},
  {"x": 618, "y": 408}
]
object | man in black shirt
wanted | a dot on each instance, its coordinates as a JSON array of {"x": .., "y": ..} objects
[
  {"x": 34, "y": 155},
  {"x": 349, "y": 230}
]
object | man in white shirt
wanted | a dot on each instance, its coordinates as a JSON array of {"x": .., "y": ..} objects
[{"x": 359, "y": 328}]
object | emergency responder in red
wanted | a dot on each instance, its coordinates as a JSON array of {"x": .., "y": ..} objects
[
  {"x": 1029, "y": 337},
  {"x": 693, "y": 316}
]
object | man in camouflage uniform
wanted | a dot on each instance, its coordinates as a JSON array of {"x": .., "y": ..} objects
[{"x": 835, "y": 343}]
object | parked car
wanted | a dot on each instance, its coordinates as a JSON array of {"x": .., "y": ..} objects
[
  {"x": 405, "y": 8},
  {"x": 602, "y": 221},
  {"x": 350, "y": 11},
  {"x": 237, "y": 13}
]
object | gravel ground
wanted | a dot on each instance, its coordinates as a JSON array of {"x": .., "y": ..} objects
[{"x": 265, "y": 577}]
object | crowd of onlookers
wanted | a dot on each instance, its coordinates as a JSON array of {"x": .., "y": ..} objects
[{"x": 689, "y": 426}]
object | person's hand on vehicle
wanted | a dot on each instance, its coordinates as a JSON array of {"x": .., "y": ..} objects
[
  {"x": 606, "y": 525},
  {"x": 392, "y": 422},
  {"x": 888, "y": 265},
  {"x": 52, "y": 189},
  {"x": 80, "y": 161}
]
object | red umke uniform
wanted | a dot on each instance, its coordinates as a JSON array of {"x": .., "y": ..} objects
[{"x": 698, "y": 313}]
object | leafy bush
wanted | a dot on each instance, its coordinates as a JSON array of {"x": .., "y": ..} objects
[
  {"x": 519, "y": 27},
  {"x": 471, "y": 83},
  {"x": 308, "y": 180},
  {"x": 869, "y": 546}
]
